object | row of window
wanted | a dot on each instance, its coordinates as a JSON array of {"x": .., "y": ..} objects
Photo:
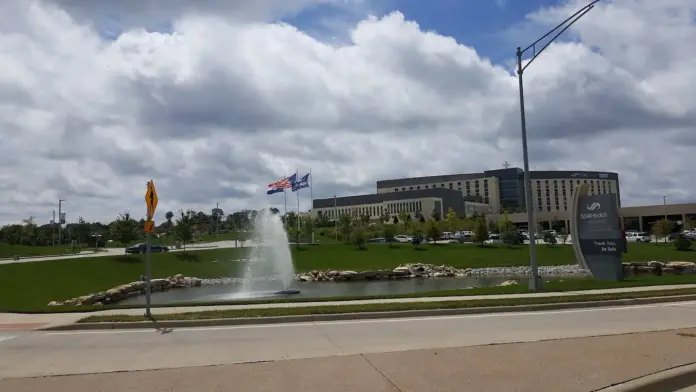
[
  {"x": 596, "y": 187},
  {"x": 466, "y": 191},
  {"x": 377, "y": 210}
]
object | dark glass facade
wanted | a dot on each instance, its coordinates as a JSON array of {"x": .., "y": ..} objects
[{"x": 511, "y": 182}]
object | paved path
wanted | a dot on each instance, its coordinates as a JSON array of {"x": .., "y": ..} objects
[
  {"x": 7, "y": 320},
  {"x": 420, "y": 355},
  {"x": 119, "y": 251}
]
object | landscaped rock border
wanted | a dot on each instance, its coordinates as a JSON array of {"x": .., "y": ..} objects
[
  {"x": 659, "y": 267},
  {"x": 422, "y": 270},
  {"x": 128, "y": 290}
]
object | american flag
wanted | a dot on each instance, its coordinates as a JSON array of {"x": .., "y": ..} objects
[{"x": 282, "y": 185}]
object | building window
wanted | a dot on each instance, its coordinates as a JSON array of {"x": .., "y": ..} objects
[
  {"x": 418, "y": 187},
  {"x": 410, "y": 188},
  {"x": 396, "y": 189},
  {"x": 451, "y": 186}
]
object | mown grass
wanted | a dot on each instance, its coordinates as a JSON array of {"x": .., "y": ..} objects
[
  {"x": 8, "y": 251},
  {"x": 30, "y": 286},
  {"x": 384, "y": 307}
]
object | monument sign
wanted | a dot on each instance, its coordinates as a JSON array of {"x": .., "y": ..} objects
[{"x": 597, "y": 236}]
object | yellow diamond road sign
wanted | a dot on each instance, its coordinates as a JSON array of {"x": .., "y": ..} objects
[
  {"x": 151, "y": 199},
  {"x": 149, "y": 226}
]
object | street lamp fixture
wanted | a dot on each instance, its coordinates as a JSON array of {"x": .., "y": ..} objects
[{"x": 535, "y": 282}]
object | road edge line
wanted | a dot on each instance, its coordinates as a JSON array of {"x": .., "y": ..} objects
[{"x": 365, "y": 315}]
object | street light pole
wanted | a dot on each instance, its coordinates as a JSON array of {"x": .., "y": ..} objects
[
  {"x": 60, "y": 221},
  {"x": 535, "y": 282}
]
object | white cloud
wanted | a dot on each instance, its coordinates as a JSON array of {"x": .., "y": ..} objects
[{"x": 225, "y": 105}]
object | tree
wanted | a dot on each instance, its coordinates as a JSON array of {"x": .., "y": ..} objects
[
  {"x": 184, "y": 226},
  {"x": 389, "y": 233},
  {"x": 433, "y": 231},
  {"x": 435, "y": 215},
  {"x": 688, "y": 224},
  {"x": 384, "y": 218},
  {"x": 662, "y": 228},
  {"x": 346, "y": 224},
  {"x": 395, "y": 220},
  {"x": 308, "y": 228},
  {"x": 417, "y": 237},
  {"x": 403, "y": 218},
  {"x": 29, "y": 230},
  {"x": 124, "y": 229},
  {"x": 365, "y": 219},
  {"x": 358, "y": 237},
  {"x": 507, "y": 230},
  {"x": 169, "y": 216},
  {"x": 451, "y": 220},
  {"x": 480, "y": 231}
]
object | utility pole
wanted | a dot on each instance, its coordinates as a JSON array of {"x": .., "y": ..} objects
[
  {"x": 217, "y": 218},
  {"x": 664, "y": 203},
  {"x": 60, "y": 221}
]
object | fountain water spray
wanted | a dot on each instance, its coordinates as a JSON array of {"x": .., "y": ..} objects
[{"x": 271, "y": 257}]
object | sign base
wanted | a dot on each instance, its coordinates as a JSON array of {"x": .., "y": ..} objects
[{"x": 535, "y": 284}]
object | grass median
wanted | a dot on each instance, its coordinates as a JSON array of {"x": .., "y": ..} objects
[
  {"x": 32, "y": 285},
  {"x": 383, "y": 307},
  {"x": 9, "y": 251}
]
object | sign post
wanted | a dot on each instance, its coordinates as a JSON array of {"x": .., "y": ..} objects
[
  {"x": 149, "y": 228},
  {"x": 597, "y": 236}
]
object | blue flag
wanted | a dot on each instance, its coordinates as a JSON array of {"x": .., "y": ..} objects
[{"x": 303, "y": 182}]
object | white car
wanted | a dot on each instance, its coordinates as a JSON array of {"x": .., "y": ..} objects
[
  {"x": 402, "y": 238},
  {"x": 637, "y": 236}
]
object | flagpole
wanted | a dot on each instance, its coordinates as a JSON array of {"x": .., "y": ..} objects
[
  {"x": 311, "y": 199},
  {"x": 297, "y": 172}
]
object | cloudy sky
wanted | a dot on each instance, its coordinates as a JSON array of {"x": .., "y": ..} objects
[{"x": 215, "y": 101}]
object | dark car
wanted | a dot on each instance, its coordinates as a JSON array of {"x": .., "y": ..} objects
[{"x": 142, "y": 248}]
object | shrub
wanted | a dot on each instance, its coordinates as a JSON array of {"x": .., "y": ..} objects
[
  {"x": 549, "y": 238},
  {"x": 682, "y": 243}
]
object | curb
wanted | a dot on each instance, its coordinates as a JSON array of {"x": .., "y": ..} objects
[
  {"x": 671, "y": 380},
  {"x": 365, "y": 315}
]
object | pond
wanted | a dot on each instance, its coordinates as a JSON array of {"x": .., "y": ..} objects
[{"x": 231, "y": 292}]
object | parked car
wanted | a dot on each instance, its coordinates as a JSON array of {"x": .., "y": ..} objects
[
  {"x": 691, "y": 236},
  {"x": 637, "y": 236},
  {"x": 142, "y": 248},
  {"x": 402, "y": 238},
  {"x": 378, "y": 239}
]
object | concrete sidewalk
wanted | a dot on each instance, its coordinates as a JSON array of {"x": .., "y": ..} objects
[
  {"x": 570, "y": 365},
  {"x": 11, "y": 320}
]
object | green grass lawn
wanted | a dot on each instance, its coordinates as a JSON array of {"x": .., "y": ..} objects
[
  {"x": 33, "y": 285},
  {"x": 8, "y": 251}
]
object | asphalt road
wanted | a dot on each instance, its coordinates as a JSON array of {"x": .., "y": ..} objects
[{"x": 39, "y": 353}]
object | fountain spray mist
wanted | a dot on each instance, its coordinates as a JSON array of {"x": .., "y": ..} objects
[{"x": 270, "y": 258}]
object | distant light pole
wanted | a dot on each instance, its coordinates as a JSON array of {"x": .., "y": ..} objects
[
  {"x": 664, "y": 203},
  {"x": 535, "y": 282},
  {"x": 60, "y": 221}
]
